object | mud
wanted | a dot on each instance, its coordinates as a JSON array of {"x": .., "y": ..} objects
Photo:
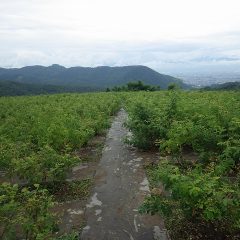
[
  {"x": 71, "y": 213},
  {"x": 120, "y": 186}
]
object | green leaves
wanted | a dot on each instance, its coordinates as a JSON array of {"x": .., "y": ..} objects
[
  {"x": 202, "y": 189},
  {"x": 37, "y": 142},
  {"x": 198, "y": 194},
  {"x": 29, "y": 210},
  {"x": 39, "y": 137}
]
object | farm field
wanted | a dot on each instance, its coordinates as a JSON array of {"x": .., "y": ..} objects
[
  {"x": 39, "y": 141},
  {"x": 195, "y": 184}
]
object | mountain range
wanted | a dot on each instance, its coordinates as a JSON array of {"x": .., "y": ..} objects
[
  {"x": 224, "y": 86},
  {"x": 56, "y": 78}
]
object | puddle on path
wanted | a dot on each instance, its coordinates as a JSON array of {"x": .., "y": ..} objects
[
  {"x": 120, "y": 187},
  {"x": 72, "y": 217}
]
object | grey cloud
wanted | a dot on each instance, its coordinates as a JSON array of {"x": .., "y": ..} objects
[{"x": 32, "y": 42}]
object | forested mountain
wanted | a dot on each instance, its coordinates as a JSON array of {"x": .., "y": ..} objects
[
  {"x": 9, "y": 88},
  {"x": 224, "y": 86},
  {"x": 79, "y": 79}
]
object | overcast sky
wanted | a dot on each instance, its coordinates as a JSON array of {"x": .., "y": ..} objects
[{"x": 167, "y": 35}]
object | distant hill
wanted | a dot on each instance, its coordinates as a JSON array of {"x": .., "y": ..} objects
[
  {"x": 80, "y": 78},
  {"x": 9, "y": 88},
  {"x": 224, "y": 86}
]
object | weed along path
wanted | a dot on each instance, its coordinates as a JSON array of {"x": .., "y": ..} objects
[{"x": 120, "y": 186}]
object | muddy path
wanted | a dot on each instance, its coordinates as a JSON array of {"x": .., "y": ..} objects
[{"x": 120, "y": 185}]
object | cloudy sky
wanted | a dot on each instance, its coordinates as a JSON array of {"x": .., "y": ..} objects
[{"x": 171, "y": 36}]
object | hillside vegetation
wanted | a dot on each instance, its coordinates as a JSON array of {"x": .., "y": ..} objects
[
  {"x": 9, "y": 88},
  {"x": 38, "y": 139},
  {"x": 224, "y": 86},
  {"x": 133, "y": 87},
  {"x": 199, "y": 135},
  {"x": 56, "y": 78},
  {"x": 195, "y": 185}
]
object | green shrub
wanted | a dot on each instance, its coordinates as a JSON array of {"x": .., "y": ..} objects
[{"x": 26, "y": 212}]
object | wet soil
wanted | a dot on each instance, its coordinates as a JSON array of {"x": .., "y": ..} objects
[
  {"x": 71, "y": 212},
  {"x": 120, "y": 186},
  {"x": 107, "y": 208}
]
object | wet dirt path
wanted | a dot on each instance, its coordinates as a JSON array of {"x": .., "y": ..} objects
[{"x": 120, "y": 187}]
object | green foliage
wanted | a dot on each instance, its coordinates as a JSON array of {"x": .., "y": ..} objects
[
  {"x": 199, "y": 195},
  {"x": 143, "y": 128},
  {"x": 36, "y": 79},
  {"x": 38, "y": 135},
  {"x": 224, "y": 86},
  {"x": 38, "y": 222},
  {"x": 15, "y": 88},
  {"x": 71, "y": 236},
  {"x": 149, "y": 123},
  {"x": 26, "y": 211},
  {"x": 134, "y": 86},
  {"x": 9, "y": 208},
  {"x": 203, "y": 190},
  {"x": 38, "y": 140},
  {"x": 45, "y": 165},
  {"x": 173, "y": 86}
]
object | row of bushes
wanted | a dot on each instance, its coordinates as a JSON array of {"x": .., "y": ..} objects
[{"x": 204, "y": 190}]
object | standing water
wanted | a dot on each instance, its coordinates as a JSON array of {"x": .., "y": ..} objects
[{"x": 120, "y": 188}]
